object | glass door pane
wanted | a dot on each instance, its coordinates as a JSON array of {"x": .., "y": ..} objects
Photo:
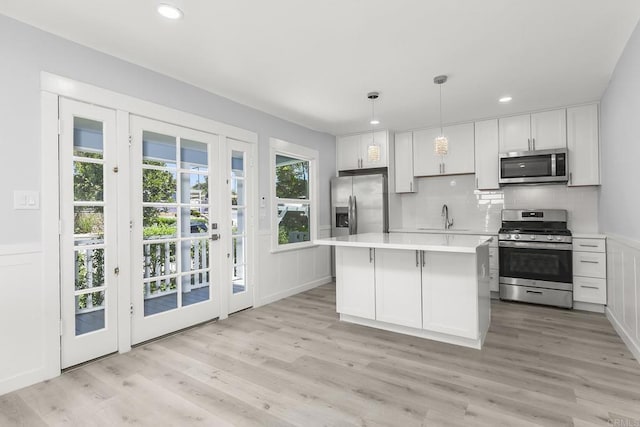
[
  {"x": 240, "y": 286},
  {"x": 171, "y": 169},
  {"x": 88, "y": 238}
]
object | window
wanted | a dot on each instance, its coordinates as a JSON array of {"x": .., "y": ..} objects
[{"x": 293, "y": 195}]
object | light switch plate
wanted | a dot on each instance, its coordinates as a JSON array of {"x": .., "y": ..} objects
[{"x": 26, "y": 200}]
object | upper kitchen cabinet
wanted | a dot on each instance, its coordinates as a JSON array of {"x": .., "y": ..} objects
[
  {"x": 583, "y": 145},
  {"x": 459, "y": 159},
  {"x": 529, "y": 132},
  {"x": 486, "y": 155},
  {"x": 363, "y": 151},
  {"x": 403, "y": 149}
]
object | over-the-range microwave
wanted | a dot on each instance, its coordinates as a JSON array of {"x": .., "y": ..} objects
[{"x": 528, "y": 167}]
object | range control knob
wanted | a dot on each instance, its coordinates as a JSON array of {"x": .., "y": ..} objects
[
  {"x": 559, "y": 238},
  {"x": 532, "y": 237},
  {"x": 549, "y": 237},
  {"x": 516, "y": 236}
]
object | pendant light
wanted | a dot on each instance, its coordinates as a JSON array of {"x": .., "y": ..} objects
[
  {"x": 373, "y": 149},
  {"x": 441, "y": 143}
]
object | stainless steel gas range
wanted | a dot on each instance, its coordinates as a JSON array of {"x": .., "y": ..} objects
[{"x": 536, "y": 261}]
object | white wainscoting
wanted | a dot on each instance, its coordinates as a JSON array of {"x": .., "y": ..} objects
[
  {"x": 623, "y": 290},
  {"x": 282, "y": 274},
  {"x": 24, "y": 327}
]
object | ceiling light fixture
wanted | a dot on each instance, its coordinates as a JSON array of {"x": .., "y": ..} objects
[
  {"x": 373, "y": 149},
  {"x": 505, "y": 99},
  {"x": 169, "y": 11},
  {"x": 441, "y": 143}
]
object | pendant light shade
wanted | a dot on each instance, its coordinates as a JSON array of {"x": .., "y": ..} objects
[{"x": 441, "y": 143}]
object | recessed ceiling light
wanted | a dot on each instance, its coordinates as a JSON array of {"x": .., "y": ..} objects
[
  {"x": 505, "y": 99},
  {"x": 169, "y": 11},
  {"x": 375, "y": 122}
]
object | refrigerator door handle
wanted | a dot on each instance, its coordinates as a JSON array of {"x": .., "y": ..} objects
[
  {"x": 350, "y": 215},
  {"x": 355, "y": 215}
]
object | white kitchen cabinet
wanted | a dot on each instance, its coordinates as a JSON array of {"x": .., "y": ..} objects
[
  {"x": 549, "y": 130},
  {"x": 403, "y": 158},
  {"x": 486, "y": 155},
  {"x": 459, "y": 159},
  {"x": 590, "y": 270},
  {"x": 515, "y": 133},
  {"x": 538, "y": 131},
  {"x": 450, "y": 294},
  {"x": 348, "y": 152},
  {"x": 583, "y": 144},
  {"x": 399, "y": 287},
  {"x": 363, "y": 151},
  {"x": 355, "y": 282}
]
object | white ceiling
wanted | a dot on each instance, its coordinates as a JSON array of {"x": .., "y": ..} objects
[{"x": 313, "y": 61}]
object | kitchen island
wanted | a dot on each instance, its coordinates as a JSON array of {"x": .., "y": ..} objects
[{"x": 433, "y": 286}]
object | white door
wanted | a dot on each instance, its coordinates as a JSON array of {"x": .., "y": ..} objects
[
  {"x": 175, "y": 202},
  {"x": 88, "y": 247},
  {"x": 549, "y": 129},
  {"x": 459, "y": 159},
  {"x": 374, "y": 149},
  {"x": 399, "y": 287},
  {"x": 355, "y": 282},
  {"x": 515, "y": 133},
  {"x": 348, "y": 152},
  {"x": 404, "y": 162},
  {"x": 486, "y": 157},
  {"x": 240, "y": 160},
  {"x": 427, "y": 162}
]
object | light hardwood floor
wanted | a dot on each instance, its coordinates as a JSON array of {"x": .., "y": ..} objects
[{"x": 294, "y": 363}]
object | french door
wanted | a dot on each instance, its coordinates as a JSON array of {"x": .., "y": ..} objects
[
  {"x": 88, "y": 247},
  {"x": 240, "y": 161},
  {"x": 175, "y": 250}
]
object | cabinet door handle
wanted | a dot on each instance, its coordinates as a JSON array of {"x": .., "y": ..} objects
[
  {"x": 417, "y": 258},
  {"x": 587, "y": 246},
  {"x": 589, "y": 287},
  {"x": 423, "y": 258},
  {"x": 529, "y": 143},
  {"x": 534, "y": 292},
  {"x": 411, "y": 186},
  {"x": 476, "y": 183},
  {"x": 444, "y": 168},
  {"x": 533, "y": 144},
  {"x": 589, "y": 262},
  {"x": 570, "y": 177},
  {"x": 370, "y": 255}
]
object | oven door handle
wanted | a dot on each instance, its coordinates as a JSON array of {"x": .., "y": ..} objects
[{"x": 533, "y": 245}]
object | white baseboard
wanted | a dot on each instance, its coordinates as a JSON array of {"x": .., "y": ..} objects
[
  {"x": 587, "y": 306},
  {"x": 634, "y": 347},
  {"x": 293, "y": 291},
  {"x": 26, "y": 379}
]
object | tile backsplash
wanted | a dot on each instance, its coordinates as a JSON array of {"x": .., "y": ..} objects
[{"x": 480, "y": 210}]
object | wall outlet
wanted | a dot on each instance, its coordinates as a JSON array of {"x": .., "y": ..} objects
[{"x": 26, "y": 200}]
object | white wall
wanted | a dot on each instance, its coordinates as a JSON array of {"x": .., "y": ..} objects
[
  {"x": 620, "y": 194},
  {"x": 25, "y": 52},
  {"x": 480, "y": 210}
]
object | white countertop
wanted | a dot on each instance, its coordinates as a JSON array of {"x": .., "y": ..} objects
[
  {"x": 588, "y": 236},
  {"x": 437, "y": 242},
  {"x": 443, "y": 231}
]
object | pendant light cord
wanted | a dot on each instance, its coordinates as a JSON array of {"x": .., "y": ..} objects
[{"x": 441, "y": 133}]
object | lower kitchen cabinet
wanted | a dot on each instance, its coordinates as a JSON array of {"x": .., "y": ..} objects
[
  {"x": 398, "y": 287},
  {"x": 355, "y": 282},
  {"x": 450, "y": 294},
  {"x": 589, "y": 270}
]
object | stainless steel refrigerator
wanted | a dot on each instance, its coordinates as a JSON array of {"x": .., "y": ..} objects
[{"x": 359, "y": 204}]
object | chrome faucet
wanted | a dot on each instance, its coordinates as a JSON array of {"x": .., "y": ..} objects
[{"x": 445, "y": 214}]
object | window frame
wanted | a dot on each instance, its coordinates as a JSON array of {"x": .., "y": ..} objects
[{"x": 284, "y": 148}]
